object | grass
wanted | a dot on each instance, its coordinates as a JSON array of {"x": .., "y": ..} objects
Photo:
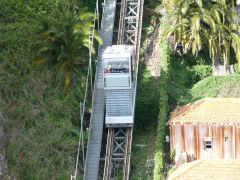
[
  {"x": 144, "y": 134},
  {"x": 214, "y": 86},
  {"x": 42, "y": 133},
  {"x": 142, "y": 159},
  {"x": 42, "y": 122}
]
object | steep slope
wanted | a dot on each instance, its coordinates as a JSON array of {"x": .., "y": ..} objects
[{"x": 215, "y": 86}]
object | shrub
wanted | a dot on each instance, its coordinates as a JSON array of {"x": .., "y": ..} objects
[
  {"x": 42, "y": 124},
  {"x": 163, "y": 113},
  {"x": 236, "y": 68},
  {"x": 179, "y": 77},
  {"x": 200, "y": 72},
  {"x": 214, "y": 86},
  {"x": 146, "y": 101}
]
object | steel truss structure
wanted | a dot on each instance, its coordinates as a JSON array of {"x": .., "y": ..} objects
[
  {"x": 118, "y": 152},
  {"x": 119, "y": 140},
  {"x": 129, "y": 21}
]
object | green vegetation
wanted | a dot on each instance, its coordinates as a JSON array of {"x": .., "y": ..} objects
[
  {"x": 183, "y": 74},
  {"x": 64, "y": 42},
  {"x": 42, "y": 123},
  {"x": 178, "y": 75},
  {"x": 163, "y": 114},
  {"x": 147, "y": 99},
  {"x": 146, "y": 114},
  {"x": 143, "y": 148},
  {"x": 199, "y": 23},
  {"x": 214, "y": 86}
]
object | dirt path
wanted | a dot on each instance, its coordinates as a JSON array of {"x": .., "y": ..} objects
[{"x": 153, "y": 53}]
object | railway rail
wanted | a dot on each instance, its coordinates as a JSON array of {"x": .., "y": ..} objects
[{"x": 119, "y": 139}]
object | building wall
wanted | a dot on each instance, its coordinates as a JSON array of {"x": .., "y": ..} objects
[{"x": 189, "y": 138}]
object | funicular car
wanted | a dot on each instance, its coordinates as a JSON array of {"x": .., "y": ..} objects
[{"x": 119, "y": 84}]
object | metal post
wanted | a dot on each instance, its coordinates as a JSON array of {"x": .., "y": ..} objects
[
  {"x": 90, "y": 60},
  {"x": 82, "y": 138}
]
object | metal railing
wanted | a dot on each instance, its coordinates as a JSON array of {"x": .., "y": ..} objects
[
  {"x": 83, "y": 105},
  {"x": 135, "y": 40},
  {"x": 93, "y": 87}
]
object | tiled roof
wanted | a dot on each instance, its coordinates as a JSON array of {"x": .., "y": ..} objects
[
  {"x": 208, "y": 170},
  {"x": 219, "y": 110}
]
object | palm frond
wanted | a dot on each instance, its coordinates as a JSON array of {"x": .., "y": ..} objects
[{"x": 64, "y": 41}]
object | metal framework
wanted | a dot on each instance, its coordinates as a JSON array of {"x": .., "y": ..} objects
[
  {"x": 119, "y": 140},
  {"x": 131, "y": 22},
  {"x": 118, "y": 152}
]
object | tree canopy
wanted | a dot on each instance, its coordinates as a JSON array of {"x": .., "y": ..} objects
[
  {"x": 200, "y": 23},
  {"x": 64, "y": 42}
]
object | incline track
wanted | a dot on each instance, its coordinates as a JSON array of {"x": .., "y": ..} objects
[
  {"x": 121, "y": 22},
  {"x": 118, "y": 152},
  {"x": 97, "y": 117},
  {"x": 119, "y": 141},
  {"x": 126, "y": 167},
  {"x": 108, "y": 156}
]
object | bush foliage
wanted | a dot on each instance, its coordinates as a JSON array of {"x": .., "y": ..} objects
[
  {"x": 42, "y": 123},
  {"x": 200, "y": 72},
  {"x": 178, "y": 74},
  {"x": 147, "y": 98},
  {"x": 163, "y": 112},
  {"x": 214, "y": 86},
  {"x": 184, "y": 71}
]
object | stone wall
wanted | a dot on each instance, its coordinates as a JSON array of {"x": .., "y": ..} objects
[{"x": 220, "y": 70}]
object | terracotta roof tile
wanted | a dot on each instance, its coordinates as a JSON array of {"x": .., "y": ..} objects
[
  {"x": 208, "y": 169},
  {"x": 221, "y": 110}
]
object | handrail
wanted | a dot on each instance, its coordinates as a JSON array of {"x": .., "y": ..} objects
[
  {"x": 94, "y": 87},
  {"x": 83, "y": 105},
  {"x": 93, "y": 97}
]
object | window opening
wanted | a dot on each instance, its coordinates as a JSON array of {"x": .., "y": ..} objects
[
  {"x": 116, "y": 66},
  {"x": 208, "y": 144}
]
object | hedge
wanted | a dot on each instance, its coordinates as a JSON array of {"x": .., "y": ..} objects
[{"x": 163, "y": 113}]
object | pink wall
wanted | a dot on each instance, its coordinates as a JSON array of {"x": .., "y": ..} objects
[{"x": 189, "y": 138}]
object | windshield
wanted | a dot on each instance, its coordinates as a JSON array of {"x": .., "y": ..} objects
[{"x": 116, "y": 66}]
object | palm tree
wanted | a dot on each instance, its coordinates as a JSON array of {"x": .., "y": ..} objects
[
  {"x": 201, "y": 23},
  {"x": 64, "y": 42}
]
